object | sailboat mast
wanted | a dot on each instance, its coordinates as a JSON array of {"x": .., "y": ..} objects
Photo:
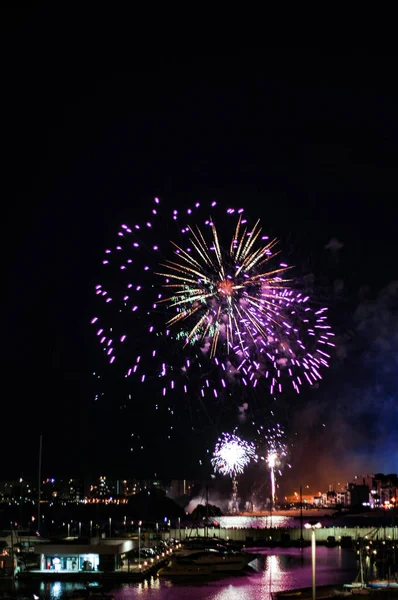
[
  {"x": 301, "y": 516},
  {"x": 39, "y": 484},
  {"x": 361, "y": 564}
]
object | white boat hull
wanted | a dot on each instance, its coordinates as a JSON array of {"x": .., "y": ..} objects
[
  {"x": 383, "y": 584},
  {"x": 193, "y": 563}
]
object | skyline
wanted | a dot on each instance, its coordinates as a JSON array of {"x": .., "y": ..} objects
[
  {"x": 312, "y": 157},
  {"x": 378, "y": 488}
]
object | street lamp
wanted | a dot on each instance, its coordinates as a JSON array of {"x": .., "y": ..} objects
[
  {"x": 139, "y": 542},
  {"x": 314, "y": 527}
]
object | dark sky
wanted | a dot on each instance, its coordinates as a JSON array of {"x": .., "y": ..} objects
[{"x": 99, "y": 119}]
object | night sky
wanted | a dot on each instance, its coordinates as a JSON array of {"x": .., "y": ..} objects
[{"x": 98, "y": 121}]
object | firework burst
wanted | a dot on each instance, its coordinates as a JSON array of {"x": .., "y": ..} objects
[
  {"x": 232, "y": 455},
  {"x": 196, "y": 308},
  {"x": 227, "y": 296}
]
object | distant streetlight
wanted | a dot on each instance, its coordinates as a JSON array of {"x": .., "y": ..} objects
[
  {"x": 139, "y": 542},
  {"x": 314, "y": 527}
]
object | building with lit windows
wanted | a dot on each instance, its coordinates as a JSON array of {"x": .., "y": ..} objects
[
  {"x": 375, "y": 491},
  {"x": 101, "y": 555}
]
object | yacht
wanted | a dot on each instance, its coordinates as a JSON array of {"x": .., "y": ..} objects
[
  {"x": 211, "y": 542},
  {"x": 192, "y": 547},
  {"x": 206, "y": 562}
]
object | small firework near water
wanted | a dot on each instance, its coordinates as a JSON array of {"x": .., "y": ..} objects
[
  {"x": 199, "y": 300},
  {"x": 232, "y": 455},
  {"x": 272, "y": 448}
]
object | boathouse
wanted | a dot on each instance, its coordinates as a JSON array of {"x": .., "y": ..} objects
[{"x": 72, "y": 557}]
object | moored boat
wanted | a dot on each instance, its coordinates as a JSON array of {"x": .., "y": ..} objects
[
  {"x": 205, "y": 562},
  {"x": 383, "y": 583}
]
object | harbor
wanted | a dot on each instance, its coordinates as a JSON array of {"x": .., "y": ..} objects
[
  {"x": 274, "y": 571},
  {"x": 275, "y": 564}
]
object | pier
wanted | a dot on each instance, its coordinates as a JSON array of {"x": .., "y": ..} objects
[{"x": 250, "y": 535}]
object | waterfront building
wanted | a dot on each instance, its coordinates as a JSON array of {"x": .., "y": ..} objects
[
  {"x": 382, "y": 490},
  {"x": 359, "y": 494},
  {"x": 99, "y": 555},
  {"x": 343, "y": 498},
  {"x": 387, "y": 489},
  {"x": 102, "y": 488},
  {"x": 16, "y": 491}
]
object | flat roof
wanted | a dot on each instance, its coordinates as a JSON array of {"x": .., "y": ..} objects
[{"x": 73, "y": 549}]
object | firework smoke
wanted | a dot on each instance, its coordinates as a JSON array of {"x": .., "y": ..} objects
[{"x": 358, "y": 415}]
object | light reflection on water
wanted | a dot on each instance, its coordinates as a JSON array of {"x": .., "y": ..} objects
[
  {"x": 274, "y": 569},
  {"x": 256, "y": 522}
]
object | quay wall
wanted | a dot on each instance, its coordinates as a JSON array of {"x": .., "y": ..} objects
[{"x": 275, "y": 534}]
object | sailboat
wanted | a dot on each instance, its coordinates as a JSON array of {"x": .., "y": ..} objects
[{"x": 359, "y": 587}]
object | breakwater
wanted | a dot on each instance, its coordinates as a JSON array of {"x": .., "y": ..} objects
[{"x": 279, "y": 534}]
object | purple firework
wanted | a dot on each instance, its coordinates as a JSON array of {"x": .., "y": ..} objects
[{"x": 192, "y": 299}]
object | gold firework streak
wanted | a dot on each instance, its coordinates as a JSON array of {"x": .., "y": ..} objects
[{"x": 227, "y": 295}]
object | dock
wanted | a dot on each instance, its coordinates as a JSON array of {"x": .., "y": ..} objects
[{"x": 133, "y": 573}]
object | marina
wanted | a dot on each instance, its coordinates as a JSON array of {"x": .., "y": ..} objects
[
  {"x": 339, "y": 561},
  {"x": 272, "y": 570},
  {"x": 205, "y": 567}
]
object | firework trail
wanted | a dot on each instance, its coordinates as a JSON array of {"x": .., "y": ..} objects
[
  {"x": 232, "y": 455},
  {"x": 271, "y": 464},
  {"x": 272, "y": 448},
  {"x": 195, "y": 308}
]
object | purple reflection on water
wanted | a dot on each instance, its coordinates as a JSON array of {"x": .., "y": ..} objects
[{"x": 273, "y": 570}]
